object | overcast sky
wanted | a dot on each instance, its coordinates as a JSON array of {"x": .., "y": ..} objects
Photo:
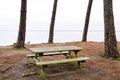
[{"x": 69, "y": 13}]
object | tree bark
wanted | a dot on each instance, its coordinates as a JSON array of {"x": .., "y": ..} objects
[
  {"x": 110, "y": 36},
  {"x": 51, "y": 32},
  {"x": 22, "y": 26},
  {"x": 84, "y": 39}
]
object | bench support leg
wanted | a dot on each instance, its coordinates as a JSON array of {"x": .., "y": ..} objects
[
  {"x": 80, "y": 67},
  {"x": 45, "y": 66},
  {"x": 68, "y": 55}
]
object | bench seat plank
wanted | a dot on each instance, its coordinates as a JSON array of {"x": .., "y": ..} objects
[
  {"x": 30, "y": 55},
  {"x": 55, "y": 53},
  {"x": 61, "y": 61},
  {"x": 49, "y": 54}
]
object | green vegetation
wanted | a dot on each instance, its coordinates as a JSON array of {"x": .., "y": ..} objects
[
  {"x": 6, "y": 76},
  {"x": 18, "y": 48},
  {"x": 117, "y": 59},
  {"x": 14, "y": 44},
  {"x": 103, "y": 55},
  {"x": 42, "y": 74}
]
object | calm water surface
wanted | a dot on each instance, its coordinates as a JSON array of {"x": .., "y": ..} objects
[{"x": 35, "y": 36}]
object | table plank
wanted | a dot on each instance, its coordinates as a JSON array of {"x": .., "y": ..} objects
[{"x": 54, "y": 49}]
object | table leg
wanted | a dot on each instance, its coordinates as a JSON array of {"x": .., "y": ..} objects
[
  {"x": 69, "y": 55},
  {"x": 38, "y": 56},
  {"x": 76, "y": 54}
]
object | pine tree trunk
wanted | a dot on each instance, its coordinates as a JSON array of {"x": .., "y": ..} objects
[
  {"x": 84, "y": 39},
  {"x": 51, "y": 32},
  {"x": 22, "y": 27},
  {"x": 110, "y": 36}
]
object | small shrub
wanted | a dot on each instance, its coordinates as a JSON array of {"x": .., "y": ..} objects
[
  {"x": 6, "y": 76},
  {"x": 117, "y": 59},
  {"x": 42, "y": 74},
  {"x": 102, "y": 55},
  {"x": 14, "y": 44},
  {"x": 28, "y": 42}
]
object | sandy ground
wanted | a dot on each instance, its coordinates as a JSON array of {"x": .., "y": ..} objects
[{"x": 14, "y": 63}]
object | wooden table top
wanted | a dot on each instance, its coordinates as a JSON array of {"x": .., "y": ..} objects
[{"x": 54, "y": 49}]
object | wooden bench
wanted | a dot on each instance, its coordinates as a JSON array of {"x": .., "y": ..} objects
[
  {"x": 79, "y": 59},
  {"x": 50, "y": 54}
]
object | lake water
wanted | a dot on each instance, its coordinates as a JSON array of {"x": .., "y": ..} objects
[{"x": 35, "y": 36}]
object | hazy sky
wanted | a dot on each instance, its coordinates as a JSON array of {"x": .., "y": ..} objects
[{"x": 69, "y": 13}]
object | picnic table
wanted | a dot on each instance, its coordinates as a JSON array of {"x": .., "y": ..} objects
[
  {"x": 42, "y": 51},
  {"x": 56, "y": 50}
]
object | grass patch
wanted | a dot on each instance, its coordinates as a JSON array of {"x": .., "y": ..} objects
[
  {"x": 19, "y": 48},
  {"x": 117, "y": 59},
  {"x": 13, "y": 46},
  {"x": 6, "y": 76},
  {"x": 42, "y": 74},
  {"x": 103, "y": 55}
]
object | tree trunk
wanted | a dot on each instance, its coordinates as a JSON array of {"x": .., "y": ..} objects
[
  {"x": 51, "y": 32},
  {"x": 84, "y": 39},
  {"x": 22, "y": 27},
  {"x": 110, "y": 36}
]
